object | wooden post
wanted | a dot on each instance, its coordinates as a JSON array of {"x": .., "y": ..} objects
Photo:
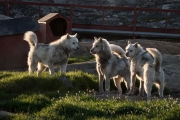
[
  {"x": 7, "y": 8},
  {"x": 134, "y": 26}
]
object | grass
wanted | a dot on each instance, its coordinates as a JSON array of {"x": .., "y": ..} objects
[
  {"x": 80, "y": 59},
  {"x": 46, "y": 98}
]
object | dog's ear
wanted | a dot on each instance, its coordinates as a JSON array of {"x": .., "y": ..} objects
[
  {"x": 129, "y": 42},
  {"x": 95, "y": 38},
  {"x": 100, "y": 39},
  {"x": 103, "y": 45},
  {"x": 136, "y": 44},
  {"x": 68, "y": 36},
  {"x": 75, "y": 35}
]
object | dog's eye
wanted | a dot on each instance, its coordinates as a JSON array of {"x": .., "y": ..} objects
[
  {"x": 73, "y": 42},
  {"x": 130, "y": 51},
  {"x": 96, "y": 46}
]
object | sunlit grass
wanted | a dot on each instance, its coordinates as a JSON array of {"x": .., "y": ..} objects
[
  {"x": 80, "y": 59},
  {"x": 47, "y": 98},
  {"x": 83, "y": 105}
]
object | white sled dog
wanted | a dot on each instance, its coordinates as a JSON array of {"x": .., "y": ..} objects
[
  {"x": 109, "y": 64},
  {"x": 50, "y": 55},
  {"x": 146, "y": 66}
]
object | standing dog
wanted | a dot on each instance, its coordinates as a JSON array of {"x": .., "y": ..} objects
[
  {"x": 146, "y": 66},
  {"x": 50, "y": 55},
  {"x": 110, "y": 65}
]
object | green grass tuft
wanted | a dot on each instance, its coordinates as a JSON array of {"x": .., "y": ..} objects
[{"x": 80, "y": 59}]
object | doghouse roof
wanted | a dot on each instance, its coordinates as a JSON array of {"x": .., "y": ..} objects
[
  {"x": 18, "y": 26},
  {"x": 47, "y": 17}
]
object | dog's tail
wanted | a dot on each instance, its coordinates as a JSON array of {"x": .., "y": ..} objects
[
  {"x": 117, "y": 49},
  {"x": 31, "y": 38},
  {"x": 157, "y": 57}
]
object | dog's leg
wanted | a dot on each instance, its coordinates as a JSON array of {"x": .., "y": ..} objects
[
  {"x": 41, "y": 68},
  {"x": 160, "y": 87},
  {"x": 148, "y": 89},
  {"x": 51, "y": 69},
  {"x": 141, "y": 88},
  {"x": 63, "y": 68},
  {"x": 132, "y": 83},
  {"x": 161, "y": 90},
  {"x": 149, "y": 76},
  {"x": 161, "y": 84},
  {"x": 101, "y": 79},
  {"x": 32, "y": 65},
  {"x": 117, "y": 83},
  {"x": 31, "y": 69},
  {"x": 107, "y": 83},
  {"x": 127, "y": 82}
]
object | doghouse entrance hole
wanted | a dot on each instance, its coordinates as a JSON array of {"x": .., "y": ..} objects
[{"x": 58, "y": 26}]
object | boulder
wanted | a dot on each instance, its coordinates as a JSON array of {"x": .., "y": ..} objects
[{"x": 172, "y": 76}]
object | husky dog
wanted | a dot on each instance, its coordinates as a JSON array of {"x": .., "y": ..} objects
[
  {"x": 146, "y": 66},
  {"x": 50, "y": 55},
  {"x": 110, "y": 64}
]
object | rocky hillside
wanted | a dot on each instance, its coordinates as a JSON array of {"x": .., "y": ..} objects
[
  {"x": 134, "y": 3},
  {"x": 112, "y": 17}
]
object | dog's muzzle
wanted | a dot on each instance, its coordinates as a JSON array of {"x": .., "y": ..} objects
[
  {"x": 76, "y": 49},
  {"x": 91, "y": 51}
]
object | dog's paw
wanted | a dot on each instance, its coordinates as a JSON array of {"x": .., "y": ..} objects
[
  {"x": 130, "y": 93},
  {"x": 142, "y": 94}
]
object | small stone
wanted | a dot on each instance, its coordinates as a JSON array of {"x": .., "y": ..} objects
[{"x": 66, "y": 81}]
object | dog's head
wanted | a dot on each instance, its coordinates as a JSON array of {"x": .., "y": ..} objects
[
  {"x": 72, "y": 42},
  {"x": 98, "y": 45},
  {"x": 131, "y": 49}
]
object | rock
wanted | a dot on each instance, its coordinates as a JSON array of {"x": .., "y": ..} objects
[
  {"x": 92, "y": 16},
  {"x": 172, "y": 76},
  {"x": 171, "y": 67},
  {"x": 3, "y": 17},
  {"x": 170, "y": 59},
  {"x": 66, "y": 81},
  {"x": 4, "y": 114}
]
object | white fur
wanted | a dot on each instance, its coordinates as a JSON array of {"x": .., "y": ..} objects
[
  {"x": 117, "y": 49},
  {"x": 110, "y": 65},
  {"x": 50, "y": 55},
  {"x": 146, "y": 66}
]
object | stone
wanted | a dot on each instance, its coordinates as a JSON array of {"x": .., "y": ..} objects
[
  {"x": 172, "y": 76},
  {"x": 66, "y": 81}
]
